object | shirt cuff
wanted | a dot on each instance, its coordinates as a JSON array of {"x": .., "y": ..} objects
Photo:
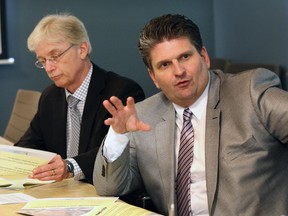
[
  {"x": 114, "y": 145},
  {"x": 78, "y": 174}
]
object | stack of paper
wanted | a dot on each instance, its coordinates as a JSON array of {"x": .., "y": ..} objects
[
  {"x": 85, "y": 206},
  {"x": 17, "y": 163}
]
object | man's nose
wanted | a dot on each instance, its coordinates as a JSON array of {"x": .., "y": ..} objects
[
  {"x": 49, "y": 66},
  {"x": 178, "y": 68}
]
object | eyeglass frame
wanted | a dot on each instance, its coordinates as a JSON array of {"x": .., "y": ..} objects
[{"x": 52, "y": 59}]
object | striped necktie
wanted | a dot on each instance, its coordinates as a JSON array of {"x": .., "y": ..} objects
[
  {"x": 185, "y": 159},
  {"x": 73, "y": 146}
]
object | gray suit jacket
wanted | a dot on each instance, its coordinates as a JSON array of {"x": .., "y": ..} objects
[{"x": 245, "y": 149}]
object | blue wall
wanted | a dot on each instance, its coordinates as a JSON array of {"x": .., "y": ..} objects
[
  {"x": 113, "y": 27},
  {"x": 252, "y": 31}
]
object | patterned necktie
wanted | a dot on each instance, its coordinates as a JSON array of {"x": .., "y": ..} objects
[
  {"x": 185, "y": 159},
  {"x": 72, "y": 147}
]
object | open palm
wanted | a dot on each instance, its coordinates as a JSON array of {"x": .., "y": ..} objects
[{"x": 124, "y": 118}]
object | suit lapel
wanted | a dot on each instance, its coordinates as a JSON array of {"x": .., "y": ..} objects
[
  {"x": 165, "y": 151},
  {"x": 165, "y": 138},
  {"x": 212, "y": 139},
  {"x": 93, "y": 102},
  {"x": 59, "y": 113}
]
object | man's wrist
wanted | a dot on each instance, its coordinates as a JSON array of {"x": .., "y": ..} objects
[{"x": 69, "y": 169}]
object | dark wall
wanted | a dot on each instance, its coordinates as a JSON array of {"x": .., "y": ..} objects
[
  {"x": 113, "y": 27},
  {"x": 252, "y": 31}
]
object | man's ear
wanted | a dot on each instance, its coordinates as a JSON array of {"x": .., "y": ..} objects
[
  {"x": 84, "y": 49},
  {"x": 152, "y": 75},
  {"x": 204, "y": 54}
]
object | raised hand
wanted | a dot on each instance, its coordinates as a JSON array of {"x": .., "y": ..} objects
[{"x": 124, "y": 118}]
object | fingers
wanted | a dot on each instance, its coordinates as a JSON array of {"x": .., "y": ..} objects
[
  {"x": 116, "y": 108},
  {"x": 108, "y": 121},
  {"x": 114, "y": 104},
  {"x": 54, "y": 170},
  {"x": 130, "y": 102},
  {"x": 143, "y": 126},
  {"x": 109, "y": 107},
  {"x": 117, "y": 103},
  {"x": 124, "y": 118}
]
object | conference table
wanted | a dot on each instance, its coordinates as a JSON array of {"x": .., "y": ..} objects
[{"x": 66, "y": 188}]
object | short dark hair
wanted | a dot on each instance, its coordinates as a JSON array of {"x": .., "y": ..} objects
[{"x": 167, "y": 27}]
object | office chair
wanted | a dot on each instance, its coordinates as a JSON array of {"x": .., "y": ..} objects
[
  {"x": 139, "y": 198},
  {"x": 219, "y": 63},
  {"x": 232, "y": 67},
  {"x": 239, "y": 67},
  {"x": 24, "y": 109}
]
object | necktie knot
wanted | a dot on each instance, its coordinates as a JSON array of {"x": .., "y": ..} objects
[
  {"x": 72, "y": 101},
  {"x": 187, "y": 114}
]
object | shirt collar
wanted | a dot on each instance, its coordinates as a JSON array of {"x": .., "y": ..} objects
[
  {"x": 81, "y": 92},
  {"x": 197, "y": 107}
]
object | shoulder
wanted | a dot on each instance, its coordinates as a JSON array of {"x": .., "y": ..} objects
[
  {"x": 265, "y": 78},
  {"x": 109, "y": 83},
  {"x": 117, "y": 78},
  {"x": 156, "y": 109},
  {"x": 109, "y": 78},
  {"x": 52, "y": 93},
  {"x": 52, "y": 89},
  {"x": 155, "y": 105},
  {"x": 247, "y": 79}
]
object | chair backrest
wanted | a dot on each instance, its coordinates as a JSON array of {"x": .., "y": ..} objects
[
  {"x": 219, "y": 63},
  {"x": 24, "y": 109},
  {"x": 239, "y": 67}
]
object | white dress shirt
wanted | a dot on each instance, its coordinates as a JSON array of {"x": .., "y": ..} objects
[{"x": 199, "y": 203}]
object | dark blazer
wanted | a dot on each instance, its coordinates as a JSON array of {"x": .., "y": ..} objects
[
  {"x": 246, "y": 151},
  {"x": 47, "y": 130}
]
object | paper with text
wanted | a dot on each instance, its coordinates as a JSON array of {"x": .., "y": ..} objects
[
  {"x": 120, "y": 209},
  {"x": 17, "y": 163},
  {"x": 84, "y": 206},
  {"x": 65, "y": 206},
  {"x": 69, "y": 202}
]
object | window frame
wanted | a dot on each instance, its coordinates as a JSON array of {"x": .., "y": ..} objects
[{"x": 3, "y": 31}]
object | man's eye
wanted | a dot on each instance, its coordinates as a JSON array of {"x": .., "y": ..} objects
[
  {"x": 42, "y": 61},
  {"x": 164, "y": 65},
  {"x": 185, "y": 56},
  {"x": 53, "y": 58}
]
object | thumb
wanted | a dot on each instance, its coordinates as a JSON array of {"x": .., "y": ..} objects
[{"x": 143, "y": 126}]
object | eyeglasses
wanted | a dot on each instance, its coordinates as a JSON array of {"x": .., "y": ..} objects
[{"x": 53, "y": 59}]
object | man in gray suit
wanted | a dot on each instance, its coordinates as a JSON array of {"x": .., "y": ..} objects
[{"x": 240, "y": 159}]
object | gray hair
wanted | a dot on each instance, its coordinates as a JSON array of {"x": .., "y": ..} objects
[{"x": 57, "y": 28}]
